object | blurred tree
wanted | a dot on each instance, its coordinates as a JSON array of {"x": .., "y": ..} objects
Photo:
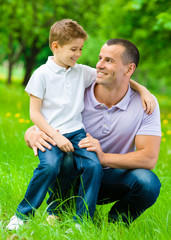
[
  {"x": 148, "y": 25},
  {"x": 24, "y": 31},
  {"x": 25, "y": 26}
]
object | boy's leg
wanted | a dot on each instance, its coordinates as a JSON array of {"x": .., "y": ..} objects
[
  {"x": 135, "y": 190},
  {"x": 60, "y": 188},
  {"x": 91, "y": 174},
  {"x": 44, "y": 174}
]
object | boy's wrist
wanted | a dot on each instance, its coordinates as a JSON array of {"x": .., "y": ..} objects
[
  {"x": 143, "y": 90},
  {"x": 55, "y": 134}
]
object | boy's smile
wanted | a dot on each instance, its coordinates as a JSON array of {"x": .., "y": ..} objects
[{"x": 67, "y": 55}]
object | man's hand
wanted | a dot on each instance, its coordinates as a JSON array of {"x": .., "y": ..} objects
[
  {"x": 37, "y": 140},
  {"x": 93, "y": 145}
]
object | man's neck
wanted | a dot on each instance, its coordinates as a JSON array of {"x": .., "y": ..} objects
[{"x": 109, "y": 96}]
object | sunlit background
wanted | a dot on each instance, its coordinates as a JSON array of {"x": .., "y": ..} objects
[{"x": 24, "y": 31}]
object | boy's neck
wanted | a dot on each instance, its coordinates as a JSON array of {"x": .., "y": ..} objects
[{"x": 55, "y": 60}]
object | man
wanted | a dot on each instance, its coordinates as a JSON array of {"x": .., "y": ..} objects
[{"x": 118, "y": 125}]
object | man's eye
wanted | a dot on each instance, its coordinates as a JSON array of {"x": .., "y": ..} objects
[{"x": 74, "y": 50}]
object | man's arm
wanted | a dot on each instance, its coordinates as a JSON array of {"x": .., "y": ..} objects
[{"x": 145, "y": 157}]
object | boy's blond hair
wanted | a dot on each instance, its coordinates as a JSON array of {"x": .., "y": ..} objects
[{"x": 64, "y": 31}]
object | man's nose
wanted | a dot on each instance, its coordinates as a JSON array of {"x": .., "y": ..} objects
[{"x": 100, "y": 64}]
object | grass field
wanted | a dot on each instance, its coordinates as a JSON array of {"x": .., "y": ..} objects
[{"x": 17, "y": 163}]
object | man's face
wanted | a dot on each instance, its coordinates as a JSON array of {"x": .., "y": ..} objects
[{"x": 110, "y": 68}]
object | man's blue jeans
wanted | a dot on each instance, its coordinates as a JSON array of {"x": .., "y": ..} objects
[
  {"x": 133, "y": 190},
  {"x": 88, "y": 166}
]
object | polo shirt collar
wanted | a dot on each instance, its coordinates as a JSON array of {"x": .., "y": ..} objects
[
  {"x": 55, "y": 67},
  {"x": 123, "y": 104}
]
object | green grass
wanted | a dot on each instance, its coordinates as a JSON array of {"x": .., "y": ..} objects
[{"x": 17, "y": 165}]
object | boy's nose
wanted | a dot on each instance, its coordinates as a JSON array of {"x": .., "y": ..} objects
[{"x": 78, "y": 54}]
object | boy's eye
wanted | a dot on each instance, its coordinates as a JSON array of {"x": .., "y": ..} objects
[
  {"x": 73, "y": 49},
  {"x": 108, "y": 60}
]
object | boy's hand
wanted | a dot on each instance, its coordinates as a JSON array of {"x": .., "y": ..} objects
[
  {"x": 63, "y": 143},
  {"x": 148, "y": 101}
]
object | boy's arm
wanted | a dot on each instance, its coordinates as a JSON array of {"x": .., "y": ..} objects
[
  {"x": 62, "y": 142},
  {"x": 147, "y": 99}
]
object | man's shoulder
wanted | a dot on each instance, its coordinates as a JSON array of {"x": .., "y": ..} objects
[{"x": 136, "y": 97}]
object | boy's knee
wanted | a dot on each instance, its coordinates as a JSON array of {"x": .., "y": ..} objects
[
  {"x": 50, "y": 169},
  {"x": 95, "y": 168}
]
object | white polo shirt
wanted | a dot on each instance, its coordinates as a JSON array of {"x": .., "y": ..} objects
[{"x": 62, "y": 92}]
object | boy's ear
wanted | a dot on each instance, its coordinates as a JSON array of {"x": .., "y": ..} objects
[{"x": 55, "y": 45}]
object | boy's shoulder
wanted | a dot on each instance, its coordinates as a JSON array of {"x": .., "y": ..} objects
[
  {"x": 84, "y": 67},
  {"x": 41, "y": 70}
]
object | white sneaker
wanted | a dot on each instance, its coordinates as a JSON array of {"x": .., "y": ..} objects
[
  {"x": 77, "y": 226},
  {"x": 14, "y": 223}
]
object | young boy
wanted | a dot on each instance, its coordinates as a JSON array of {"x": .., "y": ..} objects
[{"x": 56, "y": 101}]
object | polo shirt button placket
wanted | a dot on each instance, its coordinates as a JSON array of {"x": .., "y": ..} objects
[
  {"x": 106, "y": 122},
  {"x": 68, "y": 88}
]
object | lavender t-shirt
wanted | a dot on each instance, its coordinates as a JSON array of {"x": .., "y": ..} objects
[{"x": 117, "y": 127}]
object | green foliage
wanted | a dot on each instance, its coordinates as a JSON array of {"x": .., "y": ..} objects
[
  {"x": 25, "y": 27},
  {"x": 91, "y": 50},
  {"x": 18, "y": 163},
  {"x": 147, "y": 24}
]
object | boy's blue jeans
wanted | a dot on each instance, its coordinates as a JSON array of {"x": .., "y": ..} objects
[
  {"x": 88, "y": 166},
  {"x": 132, "y": 190}
]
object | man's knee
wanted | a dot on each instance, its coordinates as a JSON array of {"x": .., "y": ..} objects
[{"x": 148, "y": 185}]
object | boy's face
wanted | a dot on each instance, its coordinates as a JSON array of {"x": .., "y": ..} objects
[{"x": 67, "y": 55}]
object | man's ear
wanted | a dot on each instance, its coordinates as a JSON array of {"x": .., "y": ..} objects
[
  {"x": 55, "y": 46},
  {"x": 131, "y": 69}
]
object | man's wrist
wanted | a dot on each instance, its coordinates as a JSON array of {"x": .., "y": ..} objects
[
  {"x": 28, "y": 136},
  {"x": 102, "y": 158}
]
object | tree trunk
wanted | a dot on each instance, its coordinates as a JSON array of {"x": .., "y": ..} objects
[
  {"x": 10, "y": 65},
  {"x": 30, "y": 62},
  {"x": 10, "y": 60},
  {"x": 29, "y": 66}
]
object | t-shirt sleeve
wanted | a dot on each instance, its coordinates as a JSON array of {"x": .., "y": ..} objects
[
  {"x": 151, "y": 124},
  {"x": 89, "y": 75},
  {"x": 36, "y": 85}
]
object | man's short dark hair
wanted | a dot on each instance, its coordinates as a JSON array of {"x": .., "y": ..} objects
[{"x": 131, "y": 53}]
